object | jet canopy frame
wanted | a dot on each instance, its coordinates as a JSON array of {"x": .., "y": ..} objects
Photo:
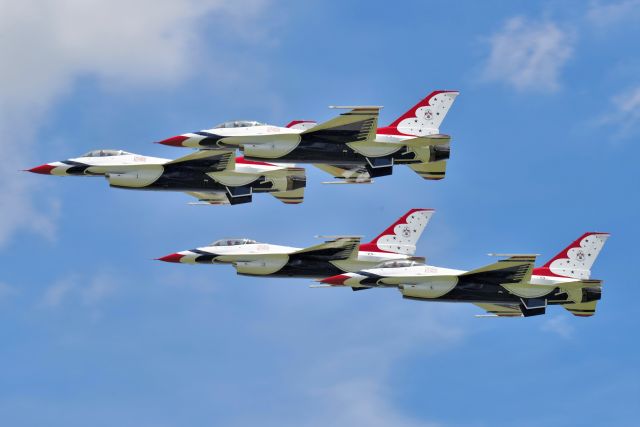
[
  {"x": 105, "y": 153},
  {"x": 400, "y": 263},
  {"x": 233, "y": 242},
  {"x": 238, "y": 124}
]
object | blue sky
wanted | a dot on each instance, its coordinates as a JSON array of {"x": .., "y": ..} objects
[{"x": 545, "y": 147}]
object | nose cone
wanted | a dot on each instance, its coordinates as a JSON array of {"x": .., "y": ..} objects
[
  {"x": 174, "y": 141},
  {"x": 171, "y": 258},
  {"x": 338, "y": 280},
  {"x": 42, "y": 169}
]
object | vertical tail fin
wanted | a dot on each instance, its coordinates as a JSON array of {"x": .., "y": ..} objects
[
  {"x": 575, "y": 260},
  {"x": 401, "y": 236},
  {"x": 425, "y": 117}
]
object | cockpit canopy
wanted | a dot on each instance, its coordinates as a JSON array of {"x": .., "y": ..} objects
[
  {"x": 105, "y": 153},
  {"x": 233, "y": 242},
  {"x": 397, "y": 264},
  {"x": 238, "y": 124}
]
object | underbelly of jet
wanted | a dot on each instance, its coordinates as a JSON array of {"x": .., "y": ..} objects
[{"x": 305, "y": 271}]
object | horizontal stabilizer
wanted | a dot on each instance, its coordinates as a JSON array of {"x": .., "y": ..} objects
[
  {"x": 209, "y": 198},
  {"x": 500, "y": 310},
  {"x": 584, "y": 309},
  {"x": 527, "y": 308},
  {"x": 347, "y": 174},
  {"x": 291, "y": 197},
  {"x": 430, "y": 170}
]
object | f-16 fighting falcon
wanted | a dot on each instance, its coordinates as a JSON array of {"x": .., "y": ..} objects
[
  {"x": 213, "y": 177},
  {"x": 339, "y": 255},
  {"x": 511, "y": 287},
  {"x": 350, "y": 147}
]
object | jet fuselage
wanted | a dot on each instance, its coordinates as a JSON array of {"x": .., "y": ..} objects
[{"x": 264, "y": 259}]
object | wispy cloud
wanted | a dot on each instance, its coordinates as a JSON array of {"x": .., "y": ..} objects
[
  {"x": 605, "y": 14},
  {"x": 623, "y": 113},
  {"x": 6, "y": 291},
  {"x": 56, "y": 293},
  {"x": 87, "y": 291},
  {"x": 344, "y": 356},
  {"x": 122, "y": 43},
  {"x": 559, "y": 325},
  {"x": 361, "y": 403},
  {"x": 528, "y": 55}
]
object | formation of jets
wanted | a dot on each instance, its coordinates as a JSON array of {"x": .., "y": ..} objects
[
  {"x": 510, "y": 287},
  {"x": 354, "y": 150},
  {"x": 351, "y": 147}
]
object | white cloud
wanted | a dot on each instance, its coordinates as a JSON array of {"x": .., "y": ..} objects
[
  {"x": 623, "y": 114},
  {"x": 6, "y": 291},
  {"x": 46, "y": 46},
  {"x": 56, "y": 294},
  {"x": 604, "y": 15},
  {"x": 347, "y": 348},
  {"x": 559, "y": 325},
  {"x": 360, "y": 403},
  {"x": 529, "y": 55},
  {"x": 98, "y": 289},
  {"x": 76, "y": 289}
]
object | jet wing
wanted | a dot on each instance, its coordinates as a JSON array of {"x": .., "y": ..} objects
[
  {"x": 333, "y": 250},
  {"x": 209, "y": 198},
  {"x": 205, "y": 161},
  {"x": 347, "y": 174},
  {"x": 514, "y": 269},
  {"x": 500, "y": 310},
  {"x": 357, "y": 125}
]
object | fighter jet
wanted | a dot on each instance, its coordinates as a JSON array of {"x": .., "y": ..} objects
[
  {"x": 338, "y": 255},
  {"x": 350, "y": 147},
  {"x": 213, "y": 177},
  {"x": 511, "y": 287}
]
